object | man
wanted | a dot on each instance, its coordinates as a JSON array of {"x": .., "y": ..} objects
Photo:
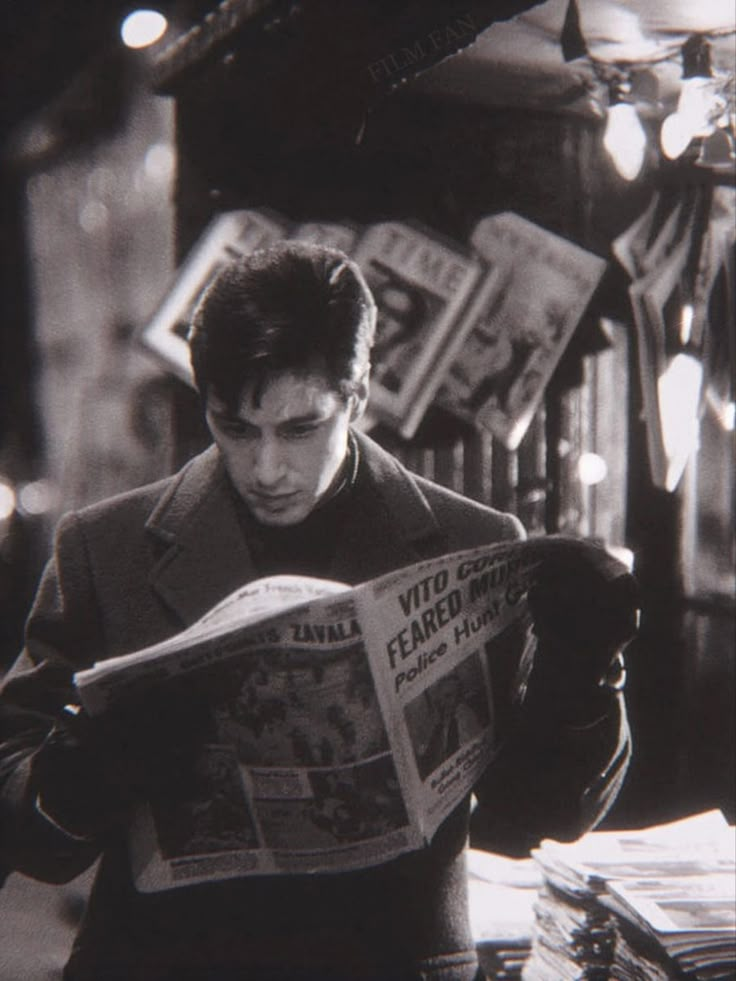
[
  {"x": 443, "y": 720},
  {"x": 280, "y": 350}
]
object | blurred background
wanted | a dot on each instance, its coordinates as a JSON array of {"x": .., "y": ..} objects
[{"x": 606, "y": 123}]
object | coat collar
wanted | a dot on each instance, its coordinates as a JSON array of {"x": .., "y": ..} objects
[
  {"x": 207, "y": 556},
  {"x": 390, "y": 525}
]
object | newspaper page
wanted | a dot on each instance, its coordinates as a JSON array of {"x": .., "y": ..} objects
[
  {"x": 696, "y": 845},
  {"x": 682, "y": 905},
  {"x": 336, "y": 733},
  {"x": 449, "y": 660}
]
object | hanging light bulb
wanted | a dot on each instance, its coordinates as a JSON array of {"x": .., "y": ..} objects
[
  {"x": 701, "y": 107},
  {"x": 699, "y": 111},
  {"x": 678, "y": 390},
  {"x": 624, "y": 137}
]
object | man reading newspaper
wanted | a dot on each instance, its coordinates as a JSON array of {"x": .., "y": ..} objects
[{"x": 281, "y": 354}]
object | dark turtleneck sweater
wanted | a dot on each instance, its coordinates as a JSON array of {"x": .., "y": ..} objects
[{"x": 306, "y": 548}]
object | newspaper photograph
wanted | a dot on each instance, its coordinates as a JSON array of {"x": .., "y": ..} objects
[
  {"x": 680, "y": 904},
  {"x": 322, "y": 727}
]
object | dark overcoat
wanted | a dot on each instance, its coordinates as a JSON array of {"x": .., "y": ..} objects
[{"x": 133, "y": 570}]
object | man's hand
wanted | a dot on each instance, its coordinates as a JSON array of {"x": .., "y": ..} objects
[
  {"x": 78, "y": 782},
  {"x": 90, "y": 772},
  {"x": 584, "y": 604}
]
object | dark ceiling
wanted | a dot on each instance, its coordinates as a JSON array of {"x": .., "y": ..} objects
[
  {"x": 309, "y": 61},
  {"x": 45, "y": 44}
]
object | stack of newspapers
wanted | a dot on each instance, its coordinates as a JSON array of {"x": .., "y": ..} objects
[
  {"x": 502, "y": 894},
  {"x": 657, "y": 903}
]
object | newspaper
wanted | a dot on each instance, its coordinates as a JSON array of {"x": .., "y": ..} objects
[
  {"x": 656, "y": 902},
  {"x": 337, "y": 726}
]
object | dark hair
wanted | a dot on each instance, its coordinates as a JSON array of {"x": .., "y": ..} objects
[{"x": 293, "y": 307}]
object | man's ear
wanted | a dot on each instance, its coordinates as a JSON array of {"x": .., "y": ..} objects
[{"x": 359, "y": 398}]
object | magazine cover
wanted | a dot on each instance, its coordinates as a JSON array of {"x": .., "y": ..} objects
[
  {"x": 421, "y": 284},
  {"x": 228, "y": 235},
  {"x": 518, "y": 327}
]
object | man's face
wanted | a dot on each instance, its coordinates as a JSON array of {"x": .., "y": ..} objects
[
  {"x": 448, "y": 694},
  {"x": 284, "y": 454}
]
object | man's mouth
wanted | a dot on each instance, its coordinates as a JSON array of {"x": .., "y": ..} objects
[{"x": 272, "y": 500}]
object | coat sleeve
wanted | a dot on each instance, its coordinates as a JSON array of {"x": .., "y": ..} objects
[
  {"x": 568, "y": 750},
  {"x": 62, "y": 636}
]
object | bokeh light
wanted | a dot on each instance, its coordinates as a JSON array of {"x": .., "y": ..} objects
[{"x": 142, "y": 28}]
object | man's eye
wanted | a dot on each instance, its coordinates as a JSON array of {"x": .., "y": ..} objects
[
  {"x": 237, "y": 429},
  {"x": 300, "y": 432}
]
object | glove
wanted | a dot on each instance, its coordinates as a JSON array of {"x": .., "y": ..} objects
[
  {"x": 584, "y": 605},
  {"x": 89, "y": 773},
  {"x": 79, "y": 786}
]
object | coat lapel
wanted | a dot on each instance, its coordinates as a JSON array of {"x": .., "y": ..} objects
[
  {"x": 207, "y": 556},
  {"x": 390, "y": 525}
]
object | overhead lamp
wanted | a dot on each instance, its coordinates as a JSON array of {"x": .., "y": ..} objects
[
  {"x": 701, "y": 107},
  {"x": 624, "y": 137}
]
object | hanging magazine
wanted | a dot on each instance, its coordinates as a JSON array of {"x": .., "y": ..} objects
[
  {"x": 227, "y": 236},
  {"x": 520, "y": 322},
  {"x": 421, "y": 283}
]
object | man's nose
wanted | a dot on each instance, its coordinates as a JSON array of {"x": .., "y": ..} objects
[{"x": 269, "y": 464}]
